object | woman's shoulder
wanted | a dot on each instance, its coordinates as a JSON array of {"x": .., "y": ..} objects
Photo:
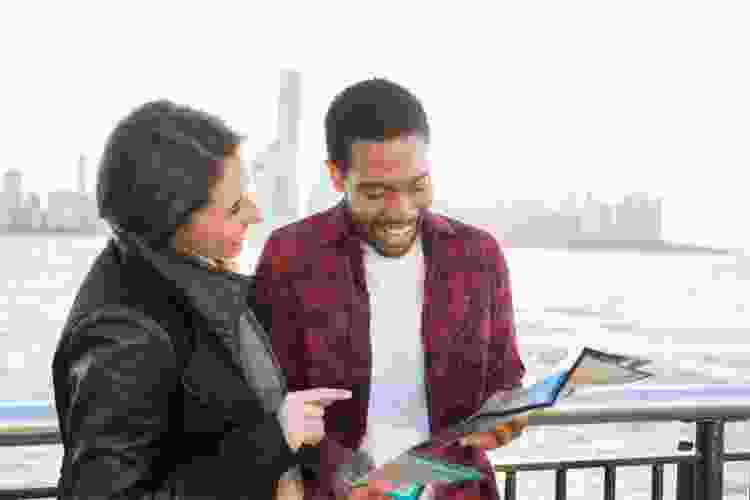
[{"x": 115, "y": 327}]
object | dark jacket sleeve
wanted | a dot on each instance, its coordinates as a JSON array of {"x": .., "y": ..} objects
[
  {"x": 121, "y": 373},
  {"x": 260, "y": 450},
  {"x": 120, "y": 376}
]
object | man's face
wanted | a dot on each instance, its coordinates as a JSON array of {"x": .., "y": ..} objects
[{"x": 387, "y": 187}]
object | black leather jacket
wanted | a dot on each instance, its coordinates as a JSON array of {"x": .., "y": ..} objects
[{"x": 149, "y": 390}]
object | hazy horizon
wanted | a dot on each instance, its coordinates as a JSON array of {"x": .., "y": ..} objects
[{"x": 526, "y": 101}]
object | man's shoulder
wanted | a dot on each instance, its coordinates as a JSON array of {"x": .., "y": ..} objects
[
  {"x": 468, "y": 236},
  {"x": 314, "y": 229},
  {"x": 300, "y": 244}
]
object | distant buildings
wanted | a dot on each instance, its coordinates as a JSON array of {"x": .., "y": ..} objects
[
  {"x": 67, "y": 211},
  {"x": 639, "y": 217},
  {"x": 635, "y": 219}
]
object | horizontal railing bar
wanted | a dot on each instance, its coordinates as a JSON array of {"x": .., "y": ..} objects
[
  {"x": 41, "y": 492},
  {"x": 561, "y": 468},
  {"x": 588, "y": 415},
  {"x": 29, "y": 438},
  {"x": 590, "y": 464},
  {"x": 736, "y": 457}
]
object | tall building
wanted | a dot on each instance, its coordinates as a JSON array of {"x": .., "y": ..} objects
[
  {"x": 276, "y": 167},
  {"x": 82, "y": 174},
  {"x": 591, "y": 222},
  {"x": 5, "y": 212},
  {"x": 13, "y": 195},
  {"x": 12, "y": 187},
  {"x": 63, "y": 208},
  {"x": 34, "y": 212},
  {"x": 289, "y": 108},
  {"x": 639, "y": 218},
  {"x": 569, "y": 206}
]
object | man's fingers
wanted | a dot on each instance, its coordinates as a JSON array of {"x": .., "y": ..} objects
[
  {"x": 485, "y": 440},
  {"x": 519, "y": 423},
  {"x": 515, "y": 426},
  {"x": 503, "y": 436},
  {"x": 381, "y": 486}
]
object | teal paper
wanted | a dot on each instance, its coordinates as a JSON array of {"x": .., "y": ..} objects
[{"x": 408, "y": 492}]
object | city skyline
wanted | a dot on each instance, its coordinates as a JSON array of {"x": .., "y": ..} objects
[
  {"x": 636, "y": 217},
  {"x": 65, "y": 210},
  {"x": 524, "y": 100}
]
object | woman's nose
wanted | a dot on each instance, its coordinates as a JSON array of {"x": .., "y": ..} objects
[{"x": 254, "y": 214}]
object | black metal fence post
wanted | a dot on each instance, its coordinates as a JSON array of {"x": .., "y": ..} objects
[
  {"x": 685, "y": 475},
  {"x": 510, "y": 485},
  {"x": 709, "y": 472},
  {"x": 610, "y": 482},
  {"x": 561, "y": 484},
  {"x": 657, "y": 482}
]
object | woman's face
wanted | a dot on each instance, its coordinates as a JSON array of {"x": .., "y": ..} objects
[{"x": 218, "y": 230}]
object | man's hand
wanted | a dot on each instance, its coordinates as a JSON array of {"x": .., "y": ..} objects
[
  {"x": 374, "y": 490},
  {"x": 503, "y": 435}
]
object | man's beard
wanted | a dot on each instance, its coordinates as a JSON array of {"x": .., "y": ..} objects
[{"x": 390, "y": 238}]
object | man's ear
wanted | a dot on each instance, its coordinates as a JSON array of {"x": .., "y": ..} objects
[{"x": 336, "y": 178}]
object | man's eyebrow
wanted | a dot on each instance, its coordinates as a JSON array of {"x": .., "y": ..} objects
[{"x": 236, "y": 204}]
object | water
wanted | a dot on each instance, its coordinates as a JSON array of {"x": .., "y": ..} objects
[{"x": 687, "y": 309}]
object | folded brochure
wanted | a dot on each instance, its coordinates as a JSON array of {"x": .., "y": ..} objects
[{"x": 417, "y": 465}]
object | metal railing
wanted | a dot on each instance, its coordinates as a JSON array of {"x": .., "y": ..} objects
[
  {"x": 700, "y": 466},
  {"x": 700, "y": 473}
]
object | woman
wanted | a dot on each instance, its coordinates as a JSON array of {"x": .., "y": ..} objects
[{"x": 165, "y": 385}]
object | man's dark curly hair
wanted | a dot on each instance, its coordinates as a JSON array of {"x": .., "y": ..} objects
[{"x": 371, "y": 110}]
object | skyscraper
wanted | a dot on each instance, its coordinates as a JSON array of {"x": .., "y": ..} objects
[
  {"x": 289, "y": 108},
  {"x": 82, "y": 174},
  {"x": 276, "y": 167},
  {"x": 12, "y": 188},
  {"x": 12, "y": 198}
]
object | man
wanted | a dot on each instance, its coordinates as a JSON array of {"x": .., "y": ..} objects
[{"x": 409, "y": 309}]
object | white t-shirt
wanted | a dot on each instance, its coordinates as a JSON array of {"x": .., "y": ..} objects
[{"x": 397, "y": 415}]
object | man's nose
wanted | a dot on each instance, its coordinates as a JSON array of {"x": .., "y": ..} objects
[{"x": 400, "y": 206}]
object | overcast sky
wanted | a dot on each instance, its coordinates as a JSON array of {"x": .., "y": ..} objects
[{"x": 526, "y": 99}]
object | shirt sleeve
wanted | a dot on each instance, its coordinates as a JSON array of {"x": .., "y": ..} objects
[
  {"x": 506, "y": 370},
  {"x": 277, "y": 302}
]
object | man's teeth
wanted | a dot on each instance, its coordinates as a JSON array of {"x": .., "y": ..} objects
[{"x": 398, "y": 231}]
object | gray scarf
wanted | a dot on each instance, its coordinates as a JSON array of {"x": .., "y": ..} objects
[{"x": 261, "y": 368}]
